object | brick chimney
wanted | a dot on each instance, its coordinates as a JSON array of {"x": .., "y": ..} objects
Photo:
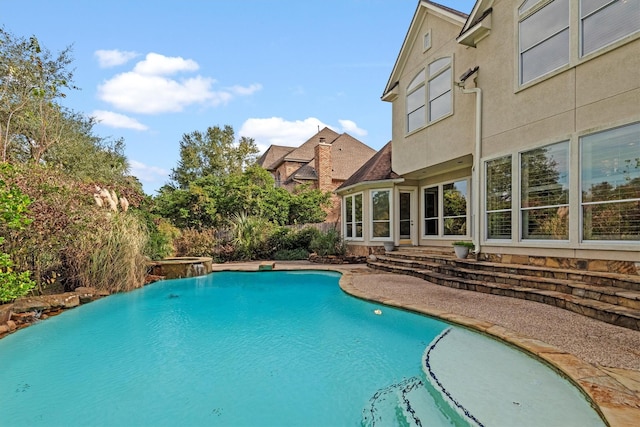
[{"x": 323, "y": 165}]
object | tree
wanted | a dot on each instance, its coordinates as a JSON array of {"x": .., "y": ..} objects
[
  {"x": 213, "y": 152},
  {"x": 31, "y": 82},
  {"x": 13, "y": 209}
]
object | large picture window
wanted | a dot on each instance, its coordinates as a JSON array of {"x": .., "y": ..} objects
[
  {"x": 445, "y": 209},
  {"x": 353, "y": 216},
  {"x": 440, "y": 94},
  {"x": 544, "y": 40},
  {"x": 430, "y": 94},
  {"x": 381, "y": 214},
  {"x": 415, "y": 102},
  {"x": 544, "y": 199},
  {"x": 498, "y": 198},
  {"x": 610, "y": 181},
  {"x": 603, "y": 22}
]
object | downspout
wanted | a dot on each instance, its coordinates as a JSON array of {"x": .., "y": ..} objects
[{"x": 475, "y": 171}]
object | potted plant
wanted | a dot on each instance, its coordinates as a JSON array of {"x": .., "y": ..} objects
[
  {"x": 462, "y": 248},
  {"x": 389, "y": 246}
]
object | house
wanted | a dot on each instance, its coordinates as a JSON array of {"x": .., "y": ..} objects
[
  {"x": 516, "y": 127},
  {"x": 324, "y": 162}
]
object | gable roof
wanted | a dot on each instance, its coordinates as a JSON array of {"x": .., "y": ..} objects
[
  {"x": 451, "y": 15},
  {"x": 273, "y": 156},
  {"x": 347, "y": 155},
  {"x": 378, "y": 168},
  {"x": 306, "y": 151}
]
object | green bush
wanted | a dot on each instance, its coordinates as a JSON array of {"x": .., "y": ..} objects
[
  {"x": 328, "y": 243},
  {"x": 304, "y": 237},
  {"x": 13, "y": 209},
  {"x": 291, "y": 254},
  {"x": 192, "y": 242},
  {"x": 108, "y": 255},
  {"x": 250, "y": 236}
]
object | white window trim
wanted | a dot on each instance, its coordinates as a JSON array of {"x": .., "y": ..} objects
[
  {"x": 575, "y": 31},
  {"x": 428, "y": 78},
  {"x": 519, "y": 208},
  {"x": 581, "y": 203},
  {"x": 441, "y": 235},
  {"x": 391, "y": 216},
  {"x": 485, "y": 211},
  {"x": 344, "y": 208}
]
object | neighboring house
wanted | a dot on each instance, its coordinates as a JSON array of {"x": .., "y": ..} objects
[
  {"x": 324, "y": 162},
  {"x": 516, "y": 127}
]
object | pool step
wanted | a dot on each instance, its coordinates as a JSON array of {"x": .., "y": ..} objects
[{"x": 612, "y": 298}]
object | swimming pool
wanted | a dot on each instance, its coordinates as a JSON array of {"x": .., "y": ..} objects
[{"x": 268, "y": 349}]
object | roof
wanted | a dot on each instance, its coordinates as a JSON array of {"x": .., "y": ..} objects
[
  {"x": 306, "y": 171},
  {"x": 378, "y": 168},
  {"x": 306, "y": 151},
  {"x": 347, "y": 155},
  {"x": 273, "y": 156},
  {"x": 444, "y": 12}
]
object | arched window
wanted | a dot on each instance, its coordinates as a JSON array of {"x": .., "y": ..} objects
[{"x": 430, "y": 95}]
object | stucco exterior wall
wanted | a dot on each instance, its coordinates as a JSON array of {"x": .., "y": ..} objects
[
  {"x": 598, "y": 92},
  {"x": 423, "y": 147}
]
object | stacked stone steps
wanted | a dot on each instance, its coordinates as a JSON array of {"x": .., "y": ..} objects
[
  {"x": 606, "y": 302},
  {"x": 606, "y": 293},
  {"x": 596, "y": 278}
]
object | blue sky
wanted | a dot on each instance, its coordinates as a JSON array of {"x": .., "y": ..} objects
[{"x": 274, "y": 70}]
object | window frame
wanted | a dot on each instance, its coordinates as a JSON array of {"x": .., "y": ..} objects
[
  {"x": 413, "y": 88},
  {"x": 508, "y": 210},
  {"x": 583, "y": 18},
  {"x": 426, "y": 85},
  {"x": 526, "y": 8},
  {"x": 582, "y": 203},
  {"x": 441, "y": 210},
  {"x": 352, "y": 216},
  {"x": 529, "y": 13},
  {"x": 521, "y": 187},
  {"x": 372, "y": 220}
]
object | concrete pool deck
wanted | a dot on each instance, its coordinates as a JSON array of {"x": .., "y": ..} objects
[{"x": 603, "y": 359}]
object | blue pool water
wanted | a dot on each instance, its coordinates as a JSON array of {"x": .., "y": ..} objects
[{"x": 252, "y": 349}]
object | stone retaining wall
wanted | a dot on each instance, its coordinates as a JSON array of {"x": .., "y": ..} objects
[
  {"x": 607, "y": 266},
  {"x": 28, "y": 310}
]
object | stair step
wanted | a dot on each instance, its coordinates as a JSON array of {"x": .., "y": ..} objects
[
  {"x": 604, "y": 311},
  {"x": 609, "y": 294},
  {"x": 595, "y": 278}
]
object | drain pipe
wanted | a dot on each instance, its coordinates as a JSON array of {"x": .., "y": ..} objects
[{"x": 475, "y": 171}]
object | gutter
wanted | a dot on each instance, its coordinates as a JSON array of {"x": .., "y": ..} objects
[{"x": 475, "y": 171}]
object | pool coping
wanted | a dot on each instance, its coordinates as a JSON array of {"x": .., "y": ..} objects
[{"x": 617, "y": 404}]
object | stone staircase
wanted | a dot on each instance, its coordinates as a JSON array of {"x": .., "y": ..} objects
[{"x": 609, "y": 297}]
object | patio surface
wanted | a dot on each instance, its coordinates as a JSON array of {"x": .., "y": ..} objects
[{"x": 603, "y": 359}]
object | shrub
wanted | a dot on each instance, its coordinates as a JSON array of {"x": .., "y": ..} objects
[
  {"x": 192, "y": 242},
  {"x": 108, "y": 254},
  {"x": 291, "y": 254},
  {"x": 13, "y": 208},
  {"x": 304, "y": 237},
  {"x": 329, "y": 243},
  {"x": 250, "y": 236}
]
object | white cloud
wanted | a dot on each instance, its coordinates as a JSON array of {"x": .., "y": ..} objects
[
  {"x": 113, "y": 58},
  {"x": 148, "y": 174},
  {"x": 115, "y": 120},
  {"x": 350, "y": 127},
  {"x": 248, "y": 90},
  {"x": 156, "y": 65},
  {"x": 278, "y": 131},
  {"x": 147, "y": 89}
]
